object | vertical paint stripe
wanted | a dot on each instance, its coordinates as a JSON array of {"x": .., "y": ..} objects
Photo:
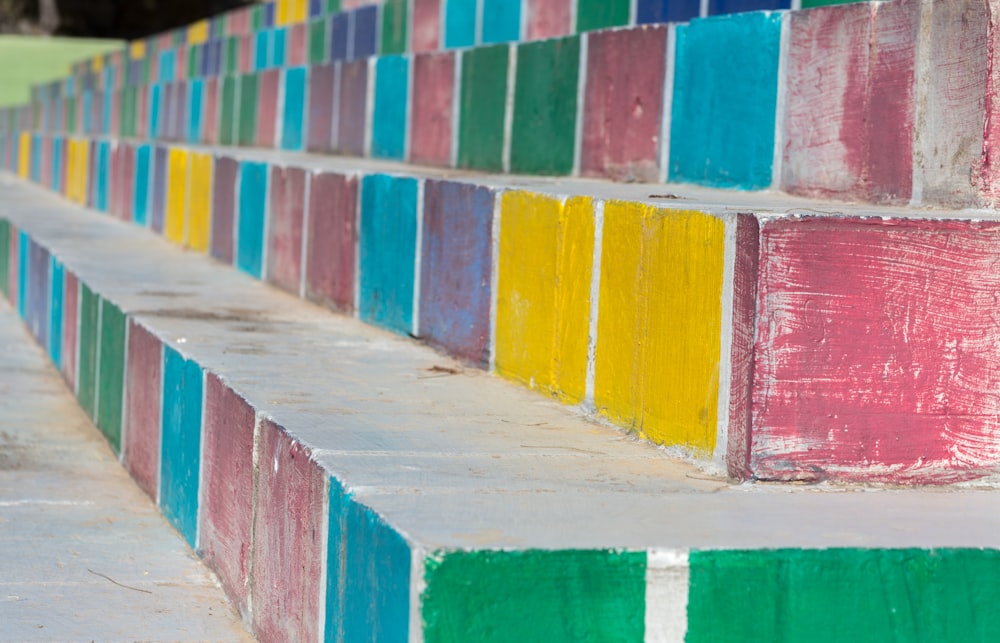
[
  {"x": 176, "y": 194},
  {"x": 667, "y": 575}
]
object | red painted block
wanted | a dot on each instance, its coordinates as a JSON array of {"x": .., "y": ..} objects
[
  {"x": 332, "y": 240},
  {"x": 426, "y": 34},
  {"x": 71, "y": 299},
  {"x": 127, "y": 184},
  {"x": 116, "y": 111},
  {"x": 878, "y": 351},
  {"x": 227, "y": 478},
  {"x": 211, "y": 129},
  {"x": 623, "y": 103},
  {"x": 298, "y": 35},
  {"x": 141, "y": 426},
  {"x": 46, "y": 160},
  {"x": 115, "y": 180},
  {"x": 321, "y": 101},
  {"x": 548, "y": 19},
  {"x": 284, "y": 251},
  {"x": 744, "y": 305},
  {"x": 246, "y": 54},
  {"x": 223, "y": 207},
  {"x": 433, "y": 94},
  {"x": 352, "y": 101},
  {"x": 238, "y": 22},
  {"x": 180, "y": 66},
  {"x": 267, "y": 106},
  {"x": 142, "y": 112},
  {"x": 288, "y": 547}
]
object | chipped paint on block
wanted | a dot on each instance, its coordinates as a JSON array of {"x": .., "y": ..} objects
[
  {"x": 658, "y": 333},
  {"x": 176, "y": 194},
  {"x": 180, "y": 445},
  {"x": 199, "y": 210},
  {"x": 332, "y": 240},
  {"x": 543, "y": 298},
  {"x": 876, "y": 357},
  {"x": 744, "y": 302},
  {"x": 287, "y": 208},
  {"x": 111, "y": 378},
  {"x": 141, "y": 429},
  {"x": 426, "y": 25}
]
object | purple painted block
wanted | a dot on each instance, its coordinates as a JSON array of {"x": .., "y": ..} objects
[
  {"x": 284, "y": 252},
  {"x": 211, "y": 130},
  {"x": 321, "y": 102},
  {"x": 141, "y": 425},
  {"x": 71, "y": 298},
  {"x": 223, "y": 207},
  {"x": 352, "y": 102},
  {"x": 332, "y": 240},
  {"x": 39, "y": 280},
  {"x": 433, "y": 93},
  {"x": 159, "y": 188},
  {"x": 267, "y": 106}
]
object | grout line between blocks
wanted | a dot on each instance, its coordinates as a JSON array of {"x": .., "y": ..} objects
[
  {"x": 494, "y": 276},
  {"x": 595, "y": 306},
  {"x": 725, "y": 378}
]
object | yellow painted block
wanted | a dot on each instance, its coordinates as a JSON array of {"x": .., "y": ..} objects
[
  {"x": 69, "y": 180},
  {"x": 24, "y": 155},
  {"x": 281, "y": 13},
  {"x": 97, "y": 63},
  {"x": 659, "y": 323},
  {"x": 200, "y": 202},
  {"x": 299, "y": 11},
  {"x": 82, "y": 170},
  {"x": 543, "y": 292},
  {"x": 137, "y": 49},
  {"x": 177, "y": 171},
  {"x": 197, "y": 33}
]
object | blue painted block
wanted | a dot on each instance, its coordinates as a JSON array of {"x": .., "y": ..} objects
[
  {"x": 269, "y": 15},
  {"x": 340, "y": 27},
  {"x": 501, "y": 21},
  {"x": 102, "y": 174},
  {"x": 365, "y": 29},
  {"x": 293, "y": 115},
  {"x": 37, "y": 285},
  {"x": 317, "y": 8},
  {"x": 459, "y": 24},
  {"x": 93, "y": 175},
  {"x": 195, "y": 97},
  {"x": 279, "y": 44},
  {"x": 140, "y": 187},
  {"x": 722, "y": 128},
  {"x": 389, "y": 121},
  {"x": 716, "y": 7},
  {"x": 650, "y": 11},
  {"x": 261, "y": 42},
  {"x": 252, "y": 199},
  {"x": 56, "y": 288},
  {"x": 57, "y": 175},
  {"x": 387, "y": 249},
  {"x": 180, "y": 456},
  {"x": 23, "y": 245}
]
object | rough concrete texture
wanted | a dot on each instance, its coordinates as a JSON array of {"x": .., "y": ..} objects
[{"x": 85, "y": 555}]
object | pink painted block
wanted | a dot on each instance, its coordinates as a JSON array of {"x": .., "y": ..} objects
[
  {"x": 211, "y": 130},
  {"x": 71, "y": 298},
  {"x": 154, "y": 65},
  {"x": 128, "y": 185},
  {"x": 548, "y": 18},
  {"x": 238, "y": 22},
  {"x": 288, "y": 545},
  {"x": 46, "y": 160},
  {"x": 180, "y": 67},
  {"x": 332, "y": 239},
  {"x": 321, "y": 102},
  {"x": 426, "y": 25},
  {"x": 164, "y": 41},
  {"x": 116, "y": 112},
  {"x": 114, "y": 180},
  {"x": 742, "y": 352},
  {"x": 287, "y": 200},
  {"x": 267, "y": 106},
  {"x": 623, "y": 103},
  {"x": 433, "y": 93},
  {"x": 298, "y": 36},
  {"x": 878, "y": 351},
  {"x": 246, "y": 54},
  {"x": 227, "y": 478},
  {"x": 224, "y": 178},
  {"x": 352, "y": 102},
  {"x": 141, "y": 425}
]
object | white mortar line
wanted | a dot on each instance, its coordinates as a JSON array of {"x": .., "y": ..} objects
[
  {"x": 573, "y": 16},
  {"x": 796, "y": 5},
  {"x": 237, "y": 189},
  {"x": 633, "y": 12},
  {"x": 726, "y": 344},
  {"x": 417, "y": 259},
  {"x": 508, "y": 112},
  {"x": 349, "y": 48},
  {"x": 255, "y": 487},
  {"x": 781, "y": 99},
  {"x": 668, "y": 102},
  {"x": 279, "y": 133},
  {"x": 581, "y": 93},
  {"x": 417, "y": 586},
  {"x": 378, "y": 30},
  {"x": 186, "y": 219},
  {"x": 595, "y": 295},
  {"x": 408, "y": 119},
  {"x": 304, "y": 243},
  {"x": 456, "y": 103},
  {"x": 334, "y": 141},
  {"x": 409, "y": 26},
  {"x": 522, "y": 19},
  {"x": 477, "y": 36},
  {"x": 494, "y": 276},
  {"x": 703, "y": 9},
  {"x": 369, "y": 123},
  {"x": 667, "y": 579}
]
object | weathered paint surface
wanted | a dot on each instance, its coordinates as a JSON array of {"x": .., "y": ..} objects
[
  {"x": 387, "y": 247},
  {"x": 875, "y": 358},
  {"x": 287, "y": 206},
  {"x": 481, "y": 111},
  {"x": 71, "y": 308},
  {"x": 56, "y": 288},
  {"x": 353, "y": 101},
  {"x": 389, "y": 117},
  {"x": 180, "y": 446},
  {"x": 544, "y": 130},
  {"x": 144, "y": 373},
  {"x": 570, "y": 595},
  {"x": 320, "y": 111},
  {"x": 543, "y": 298},
  {"x": 365, "y": 32},
  {"x": 293, "y": 109},
  {"x": 426, "y": 25},
  {"x": 652, "y": 11},
  {"x": 395, "y": 20},
  {"x": 501, "y": 21},
  {"x": 332, "y": 240},
  {"x": 288, "y": 539},
  {"x": 224, "y": 208},
  {"x": 432, "y": 106},
  {"x": 547, "y": 18},
  {"x": 177, "y": 194},
  {"x": 199, "y": 210},
  {"x": 600, "y": 14},
  {"x": 623, "y": 104},
  {"x": 658, "y": 334},
  {"x": 227, "y": 476},
  {"x": 251, "y": 220},
  {"x": 455, "y": 268},
  {"x": 830, "y": 595},
  {"x": 296, "y": 46},
  {"x": 722, "y": 125},
  {"x": 269, "y": 87},
  {"x": 86, "y": 378},
  {"x": 745, "y": 268},
  {"x": 111, "y": 378},
  {"x": 459, "y": 24}
]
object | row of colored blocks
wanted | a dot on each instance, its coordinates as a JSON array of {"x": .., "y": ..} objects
[{"x": 557, "y": 292}]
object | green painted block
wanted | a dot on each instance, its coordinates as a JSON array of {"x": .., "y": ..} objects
[
  {"x": 572, "y": 596},
  {"x": 227, "y": 112},
  {"x": 86, "y": 376},
  {"x": 5, "y": 258},
  {"x": 844, "y": 595},
  {"x": 193, "y": 61},
  {"x": 481, "y": 112},
  {"x": 332, "y": 6},
  {"x": 317, "y": 42},
  {"x": 247, "y": 125},
  {"x": 394, "y": 23},
  {"x": 232, "y": 55},
  {"x": 257, "y": 18},
  {"x": 111, "y": 379},
  {"x": 545, "y": 107},
  {"x": 600, "y": 14},
  {"x": 70, "y": 115}
]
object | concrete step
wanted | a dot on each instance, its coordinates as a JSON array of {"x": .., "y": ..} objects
[{"x": 347, "y": 482}]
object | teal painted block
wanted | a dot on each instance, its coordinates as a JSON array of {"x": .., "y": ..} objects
[
  {"x": 23, "y": 245},
  {"x": 195, "y": 122},
  {"x": 722, "y": 126},
  {"x": 252, "y": 199},
  {"x": 389, "y": 120},
  {"x": 459, "y": 24},
  {"x": 261, "y": 49},
  {"x": 5, "y": 258},
  {"x": 56, "y": 290},
  {"x": 501, "y": 21},
  {"x": 293, "y": 115},
  {"x": 180, "y": 455},
  {"x": 140, "y": 189},
  {"x": 278, "y": 47},
  {"x": 102, "y": 176}
]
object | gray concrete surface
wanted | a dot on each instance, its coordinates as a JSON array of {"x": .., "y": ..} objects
[{"x": 84, "y": 554}]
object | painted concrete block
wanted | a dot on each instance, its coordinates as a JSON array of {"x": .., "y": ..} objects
[
  {"x": 261, "y": 50},
  {"x": 55, "y": 322},
  {"x": 100, "y": 176},
  {"x": 459, "y": 24},
  {"x": 543, "y": 298},
  {"x": 250, "y": 219},
  {"x": 601, "y": 14},
  {"x": 483, "y": 101},
  {"x": 319, "y": 48},
  {"x": 393, "y": 36},
  {"x": 353, "y": 100},
  {"x": 571, "y": 595},
  {"x": 388, "y": 251},
  {"x": 269, "y": 87},
  {"x": 224, "y": 178},
  {"x": 111, "y": 378},
  {"x": 288, "y": 547},
  {"x": 159, "y": 197},
  {"x": 195, "y": 110},
  {"x": 745, "y": 267},
  {"x": 37, "y": 304},
  {"x": 332, "y": 240},
  {"x": 426, "y": 26},
  {"x": 455, "y": 277},
  {"x": 141, "y": 426},
  {"x": 141, "y": 192},
  {"x": 881, "y": 368},
  {"x": 364, "y": 30},
  {"x": 246, "y": 126},
  {"x": 293, "y": 112},
  {"x": 296, "y": 51},
  {"x": 652, "y": 11},
  {"x": 432, "y": 106},
  {"x": 199, "y": 211},
  {"x": 545, "y": 96},
  {"x": 178, "y": 116},
  {"x": 6, "y": 255},
  {"x": 86, "y": 377},
  {"x": 501, "y": 21},
  {"x": 228, "y": 477},
  {"x": 340, "y": 25},
  {"x": 287, "y": 196},
  {"x": 319, "y": 137},
  {"x": 623, "y": 104},
  {"x": 228, "y": 110},
  {"x": 20, "y": 273},
  {"x": 661, "y": 290},
  {"x": 177, "y": 194},
  {"x": 717, "y": 7},
  {"x": 71, "y": 319},
  {"x": 722, "y": 128},
  {"x": 180, "y": 452},
  {"x": 392, "y": 75}
]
